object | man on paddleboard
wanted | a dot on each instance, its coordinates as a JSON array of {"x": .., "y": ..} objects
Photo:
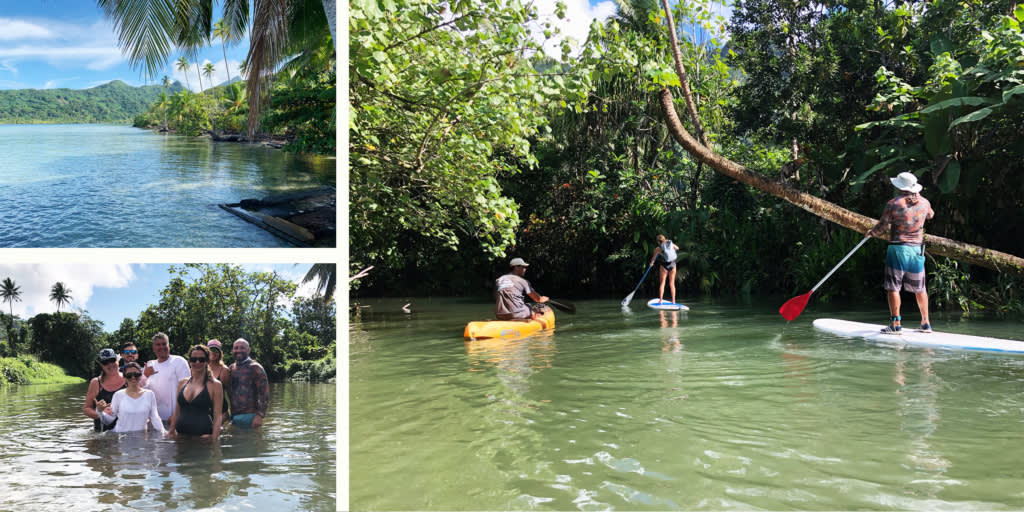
[
  {"x": 509, "y": 291},
  {"x": 665, "y": 255},
  {"x": 904, "y": 260}
]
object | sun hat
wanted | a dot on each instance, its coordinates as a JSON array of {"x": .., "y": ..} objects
[
  {"x": 906, "y": 181},
  {"x": 213, "y": 344},
  {"x": 518, "y": 262},
  {"x": 107, "y": 353}
]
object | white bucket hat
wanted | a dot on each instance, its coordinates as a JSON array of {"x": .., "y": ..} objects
[
  {"x": 518, "y": 262},
  {"x": 906, "y": 181}
]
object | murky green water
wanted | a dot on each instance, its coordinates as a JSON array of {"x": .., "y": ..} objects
[
  {"x": 723, "y": 407},
  {"x": 117, "y": 186},
  {"x": 52, "y": 459}
]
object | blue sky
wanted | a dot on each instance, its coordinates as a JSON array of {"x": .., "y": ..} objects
[
  {"x": 46, "y": 44},
  {"x": 109, "y": 292}
]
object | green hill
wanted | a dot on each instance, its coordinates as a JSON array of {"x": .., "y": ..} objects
[{"x": 113, "y": 102}]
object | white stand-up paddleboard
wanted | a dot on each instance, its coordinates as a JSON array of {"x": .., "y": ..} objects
[
  {"x": 666, "y": 305},
  {"x": 911, "y": 336}
]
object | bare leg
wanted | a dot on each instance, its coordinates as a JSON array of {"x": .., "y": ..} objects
[
  {"x": 922, "y": 305},
  {"x": 672, "y": 283},
  {"x": 894, "y": 304},
  {"x": 661, "y": 288}
]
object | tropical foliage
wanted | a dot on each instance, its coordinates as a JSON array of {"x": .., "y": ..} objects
[
  {"x": 449, "y": 177},
  {"x": 114, "y": 102}
]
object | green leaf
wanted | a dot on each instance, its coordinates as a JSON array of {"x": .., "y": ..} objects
[
  {"x": 977, "y": 115},
  {"x": 950, "y": 177},
  {"x": 1019, "y": 90},
  {"x": 1019, "y": 12},
  {"x": 974, "y": 101},
  {"x": 936, "y": 136},
  {"x": 941, "y": 44},
  {"x": 859, "y": 180}
]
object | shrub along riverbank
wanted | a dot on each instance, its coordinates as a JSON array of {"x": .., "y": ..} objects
[{"x": 26, "y": 369}]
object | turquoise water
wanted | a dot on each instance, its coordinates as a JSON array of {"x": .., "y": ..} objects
[
  {"x": 724, "y": 407},
  {"x": 53, "y": 460},
  {"x": 117, "y": 186}
]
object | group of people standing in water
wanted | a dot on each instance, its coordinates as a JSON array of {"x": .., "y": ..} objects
[{"x": 175, "y": 396}]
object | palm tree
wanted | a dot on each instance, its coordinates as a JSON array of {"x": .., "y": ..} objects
[
  {"x": 327, "y": 277},
  {"x": 10, "y": 293},
  {"x": 150, "y": 30},
  {"x": 182, "y": 65},
  {"x": 208, "y": 70},
  {"x": 223, "y": 32},
  {"x": 166, "y": 80},
  {"x": 199, "y": 74},
  {"x": 60, "y": 294}
]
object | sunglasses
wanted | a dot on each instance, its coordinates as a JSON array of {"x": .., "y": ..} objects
[
  {"x": 107, "y": 361},
  {"x": 197, "y": 359},
  {"x": 214, "y": 349},
  {"x": 133, "y": 375},
  {"x": 131, "y": 351}
]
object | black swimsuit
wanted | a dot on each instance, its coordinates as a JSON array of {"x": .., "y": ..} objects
[
  {"x": 195, "y": 418},
  {"x": 106, "y": 396}
]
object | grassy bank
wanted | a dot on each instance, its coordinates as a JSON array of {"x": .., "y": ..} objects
[{"x": 28, "y": 370}]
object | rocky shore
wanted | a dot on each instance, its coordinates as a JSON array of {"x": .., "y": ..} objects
[{"x": 306, "y": 219}]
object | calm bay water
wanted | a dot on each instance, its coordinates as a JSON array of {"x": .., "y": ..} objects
[
  {"x": 53, "y": 460},
  {"x": 723, "y": 407},
  {"x": 117, "y": 186}
]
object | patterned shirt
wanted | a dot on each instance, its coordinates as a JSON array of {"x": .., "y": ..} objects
[
  {"x": 905, "y": 214},
  {"x": 250, "y": 389}
]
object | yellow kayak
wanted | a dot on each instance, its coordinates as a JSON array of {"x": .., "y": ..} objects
[{"x": 509, "y": 328}]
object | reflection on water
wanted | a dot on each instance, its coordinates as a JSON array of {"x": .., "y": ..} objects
[
  {"x": 720, "y": 408},
  {"x": 49, "y": 449},
  {"x": 116, "y": 186}
]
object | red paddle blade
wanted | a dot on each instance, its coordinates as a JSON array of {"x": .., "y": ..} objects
[{"x": 793, "y": 307}]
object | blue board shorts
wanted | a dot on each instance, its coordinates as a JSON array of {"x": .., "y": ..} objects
[
  {"x": 243, "y": 420},
  {"x": 904, "y": 266}
]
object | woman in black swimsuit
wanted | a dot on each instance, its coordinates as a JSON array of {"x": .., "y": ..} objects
[
  {"x": 195, "y": 414},
  {"x": 102, "y": 388}
]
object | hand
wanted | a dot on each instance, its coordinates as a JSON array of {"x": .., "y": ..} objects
[
  {"x": 257, "y": 421},
  {"x": 148, "y": 371},
  {"x": 543, "y": 298},
  {"x": 101, "y": 405}
]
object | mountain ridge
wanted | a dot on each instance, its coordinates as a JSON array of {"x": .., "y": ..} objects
[{"x": 112, "y": 102}]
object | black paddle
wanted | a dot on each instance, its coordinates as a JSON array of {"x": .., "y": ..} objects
[{"x": 563, "y": 305}]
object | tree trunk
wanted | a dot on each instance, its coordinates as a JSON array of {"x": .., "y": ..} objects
[
  {"x": 937, "y": 246},
  {"x": 331, "y": 9}
]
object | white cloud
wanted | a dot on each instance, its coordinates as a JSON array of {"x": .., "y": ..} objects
[
  {"x": 219, "y": 75},
  {"x": 35, "y": 281},
  {"x": 8, "y": 65},
  {"x": 15, "y": 30},
  {"x": 575, "y": 25}
]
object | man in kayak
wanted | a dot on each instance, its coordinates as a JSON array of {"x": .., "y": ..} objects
[
  {"x": 509, "y": 291},
  {"x": 665, "y": 255},
  {"x": 904, "y": 260}
]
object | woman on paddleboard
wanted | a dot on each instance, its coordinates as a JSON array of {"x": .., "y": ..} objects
[
  {"x": 665, "y": 256},
  {"x": 904, "y": 217}
]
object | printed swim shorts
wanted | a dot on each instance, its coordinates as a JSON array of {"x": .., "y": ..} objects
[{"x": 904, "y": 266}]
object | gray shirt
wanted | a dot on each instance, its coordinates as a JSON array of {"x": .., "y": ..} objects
[{"x": 509, "y": 292}]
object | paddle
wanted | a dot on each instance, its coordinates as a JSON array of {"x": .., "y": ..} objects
[
  {"x": 793, "y": 307},
  {"x": 563, "y": 305},
  {"x": 625, "y": 302}
]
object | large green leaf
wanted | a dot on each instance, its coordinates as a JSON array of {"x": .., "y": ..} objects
[
  {"x": 941, "y": 44},
  {"x": 950, "y": 177},
  {"x": 977, "y": 115},
  {"x": 973, "y": 101},
  {"x": 860, "y": 180},
  {"x": 1016, "y": 91},
  {"x": 936, "y": 136}
]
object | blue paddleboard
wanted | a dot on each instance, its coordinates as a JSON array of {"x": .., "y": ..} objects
[{"x": 666, "y": 305}]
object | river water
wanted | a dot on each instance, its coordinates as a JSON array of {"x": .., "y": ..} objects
[
  {"x": 53, "y": 460},
  {"x": 117, "y": 186},
  {"x": 724, "y": 407}
]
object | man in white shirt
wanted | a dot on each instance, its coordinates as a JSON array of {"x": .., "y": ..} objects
[{"x": 163, "y": 375}]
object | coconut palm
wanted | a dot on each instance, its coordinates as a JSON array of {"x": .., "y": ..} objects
[
  {"x": 208, "y": 70},
  {"x": 150, "y": 30},
  {"x": 60, "y": 294},
  {"x": 166, "y": 80},
  {"x": 182, "y": 65},
  {"x": 327, "y": 277},
  {"x": 10, "y": 293},
  {"x": 223, "y": 32}
]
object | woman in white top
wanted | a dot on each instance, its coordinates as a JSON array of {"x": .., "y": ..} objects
[{"x": 133, "y": 406}]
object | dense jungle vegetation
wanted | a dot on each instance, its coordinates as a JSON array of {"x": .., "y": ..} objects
[
  {"x": 113, "y": 102},
  {"x": 292, "y": 337},
  {"x": 469, "y": 145}
]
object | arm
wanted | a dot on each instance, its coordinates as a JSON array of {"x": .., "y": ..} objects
[
  {"x": 538, "y": 297},
  {"x": 657, "y": 251},
  {"x": 174, "y": 415},
  {"x": 674, "y": 246},
  {"x": 115, "y": 406},
  {"x": 90, "y": 399},
  {"x": 263, "y": 390},
  {"x": 226, "y": 385},
  {"x": 218, "y": 408},
  {"x": 155, "y": 422}
]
